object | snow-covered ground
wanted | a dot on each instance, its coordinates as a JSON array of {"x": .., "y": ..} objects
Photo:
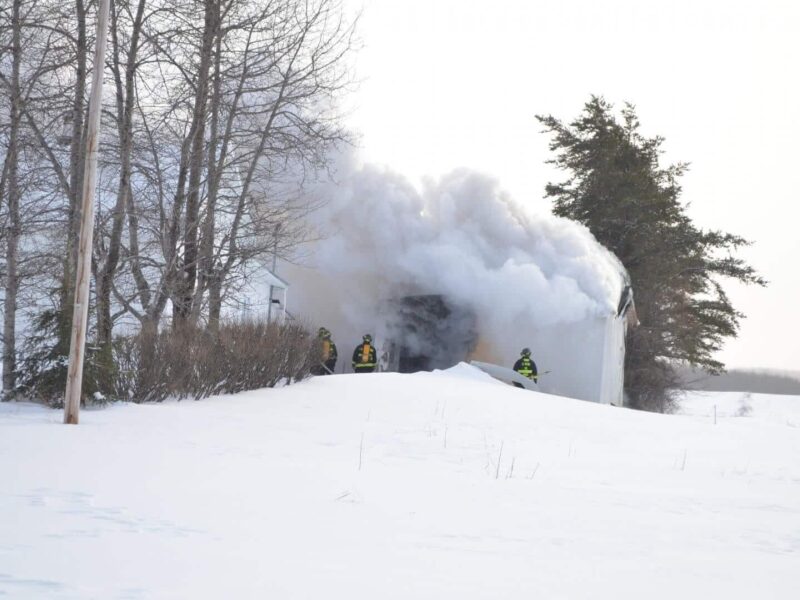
[{"x": 434, "y": 485}]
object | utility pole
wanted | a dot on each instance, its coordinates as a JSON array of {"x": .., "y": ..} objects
[
  {"x": 274, "y": 264},
  {"x": 80, "y": 312}
]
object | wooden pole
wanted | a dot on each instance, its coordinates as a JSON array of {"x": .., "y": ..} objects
[
  {"x": 274, "y": 264},
  {"x": 80, "y": 313}
]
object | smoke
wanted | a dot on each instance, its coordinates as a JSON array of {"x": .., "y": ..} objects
[
  {"x": 460, "y": 236},
  {"x": 428, "y": 332}
]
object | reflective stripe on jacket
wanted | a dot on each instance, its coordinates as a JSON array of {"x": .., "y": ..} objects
[
  {"x": 526, "y": 367},
  {"x": 365, "y": 356}
]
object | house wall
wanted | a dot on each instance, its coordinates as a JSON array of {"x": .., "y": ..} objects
[
  {"x": 613, "y": 375},
  {"x": 584, "y": 358}
]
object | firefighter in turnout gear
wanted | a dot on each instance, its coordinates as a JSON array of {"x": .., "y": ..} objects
[
  {"x": 365, "y": 359},
  {"x": 328, "y": 356},
  {"x": 526, "y": 367}
]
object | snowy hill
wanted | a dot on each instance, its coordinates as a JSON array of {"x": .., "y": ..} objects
[{"x": 435, "y": 485}]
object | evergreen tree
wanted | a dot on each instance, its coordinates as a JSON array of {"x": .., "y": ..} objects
[{"x": 616, "y": 187}]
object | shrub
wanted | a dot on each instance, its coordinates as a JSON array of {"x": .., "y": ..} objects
[
  {"x": 44, "y": 360},
  {"x": 197, "y": 363}
]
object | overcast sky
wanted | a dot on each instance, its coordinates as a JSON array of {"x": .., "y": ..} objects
[{"x": 456, "y": 83}]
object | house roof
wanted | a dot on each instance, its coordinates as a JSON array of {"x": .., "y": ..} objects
[{"x": 271, "y": 279}]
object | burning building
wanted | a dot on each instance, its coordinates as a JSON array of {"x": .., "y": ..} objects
[
  {"x": 460, "y": 271},
  {"x": 583, "y": 359}
]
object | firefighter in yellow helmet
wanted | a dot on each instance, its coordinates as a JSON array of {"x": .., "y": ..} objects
[
  {"x": 365, "y": 359},
  {"x": 526, "y": 367},
  {"x": 328, "y": 355}
]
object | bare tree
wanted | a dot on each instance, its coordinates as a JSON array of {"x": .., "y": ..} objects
[
  {"x": 211, "y": 126},
  {"x": 291, "y": 66},
  {"x": 13, "y": 216},
  {"x": 38, "y": 81},
  {"x": 124, "y": 80},
  {"x": 257, "y": 103},
  {"x": 27, "y": 66}
]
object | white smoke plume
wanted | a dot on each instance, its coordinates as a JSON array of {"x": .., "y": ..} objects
[{"x": 460, "y": 236}]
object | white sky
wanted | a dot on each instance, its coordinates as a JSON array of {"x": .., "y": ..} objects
[{"x": 456, "y": 83}]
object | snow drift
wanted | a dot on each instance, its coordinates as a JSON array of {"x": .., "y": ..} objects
[{"x": 429, "y": 486}]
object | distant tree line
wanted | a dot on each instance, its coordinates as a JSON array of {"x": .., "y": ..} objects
[
  {"x": 213, "y": 108},
  {"x": 614, "y": 184},
  {"x": 741, "y": 380}
]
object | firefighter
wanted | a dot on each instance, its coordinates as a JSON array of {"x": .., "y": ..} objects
[
  {"x": 328, "y": 356},
  {"x": 526, "y": 367},
  {"x": 364, "y": 356}
]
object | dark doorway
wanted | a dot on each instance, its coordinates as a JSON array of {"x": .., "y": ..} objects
[{"x": 428, "y": 333}]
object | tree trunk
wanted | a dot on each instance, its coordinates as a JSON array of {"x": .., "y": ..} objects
[
  {"x": 214, "y": 303},
  {"x": 13, "y": 228},
  {"x": 107, "y": 269},
  {"x": 188, "y": 275},
  {"x": 76, "y": 163},
  {"x": 206, "y": 250}
]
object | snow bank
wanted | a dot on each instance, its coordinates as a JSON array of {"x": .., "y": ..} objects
[{"x": 435, "y": 485}]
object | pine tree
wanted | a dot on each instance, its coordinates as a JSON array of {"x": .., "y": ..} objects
[{"x": 617, "y": 188}]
